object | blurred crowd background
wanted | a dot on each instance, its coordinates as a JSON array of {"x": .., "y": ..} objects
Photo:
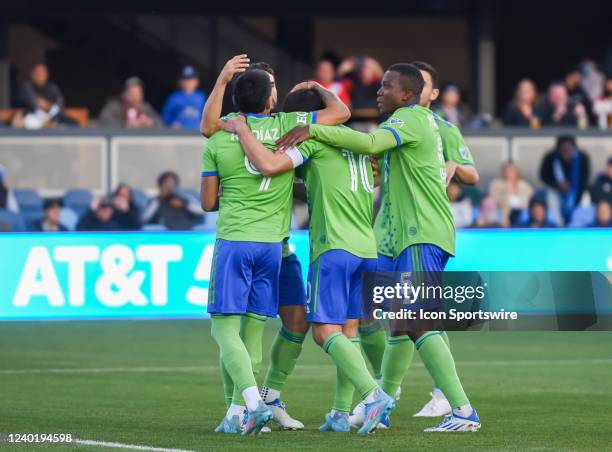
[{"x": 147, "y": 68}]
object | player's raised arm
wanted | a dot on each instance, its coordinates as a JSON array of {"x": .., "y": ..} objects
[
  {"x": 335, "y": 111},
  {"x": 267, "y": 163},
  {"x": 211, "y": 116}
]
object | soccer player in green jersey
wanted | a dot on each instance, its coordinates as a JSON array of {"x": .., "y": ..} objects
[
  {"x": 265, "y": 210},
  {"x": 339, "y": 185},
  {"x": 421, "y": 228},
  {"x": 460, "y": 165}
]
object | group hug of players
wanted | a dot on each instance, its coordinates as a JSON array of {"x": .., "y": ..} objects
[{"x": 249, "y": 165}]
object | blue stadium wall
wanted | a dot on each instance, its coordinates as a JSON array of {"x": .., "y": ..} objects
[{"x": 166, "y": 275}]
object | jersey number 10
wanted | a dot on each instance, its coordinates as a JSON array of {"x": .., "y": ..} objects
[{"x": 357, "y": 164}]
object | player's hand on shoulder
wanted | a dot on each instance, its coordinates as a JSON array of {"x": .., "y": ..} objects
[
  {"x": 234, "y": 66},
  {"x": 293, "y": 138},
  {"x": 233, "y": 124}
]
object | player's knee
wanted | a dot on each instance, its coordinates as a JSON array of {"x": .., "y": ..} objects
[{"x": 297, "y": 325}]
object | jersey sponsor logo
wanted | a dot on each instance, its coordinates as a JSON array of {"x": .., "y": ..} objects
[
  {"x": 396, "y": 122},
  {"x": 464, "y": 152}
]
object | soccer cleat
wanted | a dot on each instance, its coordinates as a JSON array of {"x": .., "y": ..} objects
[
  {"x": 230, "y": 426},
  {"x": 358, "y": 416},
  {"x": 376, "y": 411},
  {"x": 265, "y": 430},
  {"x": 255, "y": 420},
  {"x": 282, "y": 418},
  {"x": 436, "y": 407},
  {"x": 339, "y": 422},
  {"x": 455, "y": 423}
]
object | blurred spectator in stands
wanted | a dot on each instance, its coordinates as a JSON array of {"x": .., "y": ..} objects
[
  {"x": 47, "y": 114},
  {"x": 601, "y": 190},
  {"x": 451, "y": 107},
  {"x": 592, "y": 79},
  {"x": 566, "y": 169},
  {"x": 171, "y": 208},
  {"x": 602, "y": 107},
  {"x": 99, "y": 217},
  {"x": 603, "y": 215},
  {"x": 461, "y": 205},
  {"x": 130, "y": 110},
  {"x": 183, "y": 107},
  {"x": 575, "y": 93},
  {"x": 325, "y": 76},
  {"x": 37, "y": 84},
  {"x": 511, "y": 193},
  {"x": 558, "y": 111},
  {"x": 538, "y": 215},
  {"x": 7, "y": 198},
  {"x": 489, "y": 214},
  {"x": 51, "y": 220},
  {"x": 125, "y": 211},
  {"x": 521, "y": 111},
  {"x": 362, "y": 76}
]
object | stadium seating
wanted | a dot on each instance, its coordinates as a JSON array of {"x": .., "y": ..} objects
[
  {"x": 69, "y": 218},
  {"x": 13, "y": 220},
  {"x": 582, "y": 217},
  {"x": 78, "y": 200},
  {"x": 30, "y": 206}
]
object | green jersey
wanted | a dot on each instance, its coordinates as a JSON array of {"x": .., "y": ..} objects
[
  {"x": 454, "y": 149},
  {"x": 340, "y": 185},
  {"x": 252, "y": 208},
  {"x": 419, "y": 210}
]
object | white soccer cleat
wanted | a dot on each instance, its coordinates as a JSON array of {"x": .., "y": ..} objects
[
  {"x": 356, "y": 419},
  {"x": 455, "y": 423},
  {"x": 436, "y": 407},
  {"x": 282, "y": 418},
  {"x": 266, "y": 430}
]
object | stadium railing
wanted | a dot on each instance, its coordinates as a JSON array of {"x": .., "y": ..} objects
[{"x": 53, "y": 161}]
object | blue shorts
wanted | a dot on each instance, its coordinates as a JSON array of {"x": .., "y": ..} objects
[
  {"x": 422, "y": 264},
  {"x": 244, "y": 277},
  {"x": 384, "y": 264},
  {"x": 334, "y": 287},
  {"x": 291, "y": 291}
]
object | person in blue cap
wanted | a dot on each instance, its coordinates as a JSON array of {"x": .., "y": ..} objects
[{"x": 184, "y": 106}]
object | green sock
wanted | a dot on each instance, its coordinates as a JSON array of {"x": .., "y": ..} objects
[
  {"x": 350, "y": 362},
  {"x": 285, "y": 352},
  {"x": 441, "y": 366},
  {"x": 251, "y": 331},
  {"x": 397, "y": 359},
  {"x": 225, "y": 330},
  {"x": 447, "y": 342},
  {"x": 373, "y": 341},
  {"x": 344, "y": 388},
  {"x": 228, "y": 384}
]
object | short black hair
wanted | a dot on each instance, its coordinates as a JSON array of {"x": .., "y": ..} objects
[
  {"x": 303, "y": 100},
  {"x": 252, "y": 90},
  {"x": 410, "y": 76},
  {"x": 53, "y": 202},
  {"x": 561, "y": 139},
  {"x": 423, "y": 66},
  {"x": 165, "y": 175},
  {"x": 262, "y": 65}
]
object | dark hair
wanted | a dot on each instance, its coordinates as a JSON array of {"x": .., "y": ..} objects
[
  {"x": 561, "y": 139},
  {"x": 263, "y": 66},
  {"x": 410, "y": 76},
  {"x": 252, "y": 90},
  {"x": 423, "y": 66},
  {"x": 165, "y": 175},
  {"x": 303, "y": 100},
  {"x": 53, "y": 202}
]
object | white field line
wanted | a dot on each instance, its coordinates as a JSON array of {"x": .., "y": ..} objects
[
  {"x": 89, "y": 442},
  {"x": 102, "y": 370}
]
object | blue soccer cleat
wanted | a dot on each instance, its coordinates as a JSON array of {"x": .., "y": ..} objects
[
  {"x": 230, "y": 426},
  {"x": 255, "y": 420},
  {"x": 339, "y": 422},
  {"x": 455, "y": 423},
  {"x": 376, "y": 411}
]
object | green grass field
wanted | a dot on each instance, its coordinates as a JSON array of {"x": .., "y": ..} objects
[{"x": 156, "y": 383}]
